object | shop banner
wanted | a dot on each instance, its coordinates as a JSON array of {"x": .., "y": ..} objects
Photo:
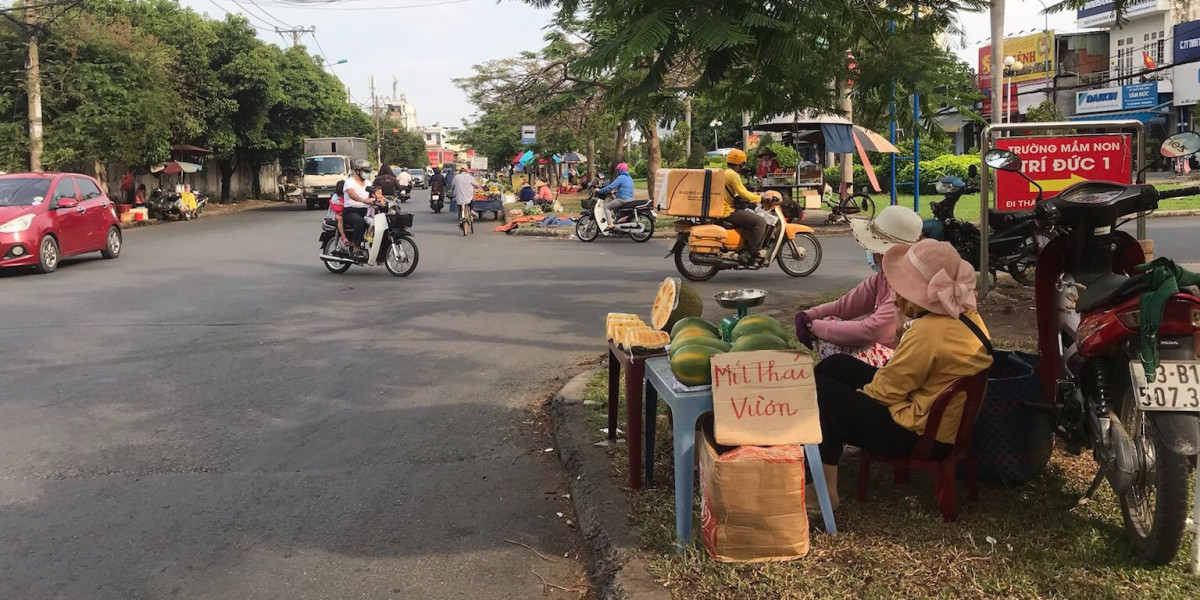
[
  {"x": 1036, "y": 52},
  {"x": 1057, "y": 163},
  {"x": 1100, "y": 12},
  {"x": 1102, "y": 100},
  {"x": 1187, "y": 41},
  {"x": 765, "y": 398},
  {"x": 1139, "y": 95}
]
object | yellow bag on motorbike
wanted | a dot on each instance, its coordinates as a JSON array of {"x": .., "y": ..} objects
[{"x": 690, "y": 192}]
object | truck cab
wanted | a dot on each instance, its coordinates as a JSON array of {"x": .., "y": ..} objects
[{"x": 326, "y": 162}]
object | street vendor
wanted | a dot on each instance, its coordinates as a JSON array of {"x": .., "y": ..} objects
[
  {"x": 766, "y": 163},
  {"x": 862, "y": 323},
  {"x": 885, "y": 411}
]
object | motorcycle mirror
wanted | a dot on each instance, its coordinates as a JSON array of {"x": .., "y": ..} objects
[
  {"x": 1002, "y": 160},
  {"x": 1180, "y": 145}
]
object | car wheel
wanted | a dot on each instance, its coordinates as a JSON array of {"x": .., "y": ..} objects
[
  {"x": 112, "y": 244},
  {"x": 47, "y": 255}
]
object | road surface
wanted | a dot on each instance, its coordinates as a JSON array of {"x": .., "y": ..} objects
[{"x": 214, "y": 415}]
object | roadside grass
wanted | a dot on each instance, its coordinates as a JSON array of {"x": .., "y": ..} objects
[{"x": 1019, "y": 542}]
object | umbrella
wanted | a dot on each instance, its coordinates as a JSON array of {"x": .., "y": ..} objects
[
  {"x": 574, "y": 157},
  {"x": 189, "y": 150},
  {"x": 799, "y": 121},
  {"x": 873, "y": 142},
  {"x": 175, "y": 167}
]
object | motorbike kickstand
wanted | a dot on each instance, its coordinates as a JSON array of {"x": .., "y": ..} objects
[{"x": 1091, "y": 491}]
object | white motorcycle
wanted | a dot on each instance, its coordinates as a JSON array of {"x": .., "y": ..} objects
[
  {"x": 388, "y": 239},
  {"x": 635, "y": 219}
]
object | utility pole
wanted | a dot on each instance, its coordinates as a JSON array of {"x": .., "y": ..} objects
[
  {"x": 296, "y": 32},
  {"x": 687, "y": 116},
  {"x": 378, "y": 135},
  {"x": 997, "y": 60},
  {"x": 745, "y": 131},
  {"x": 847, "y": 168},
  {"x": 33, "y": 82}
]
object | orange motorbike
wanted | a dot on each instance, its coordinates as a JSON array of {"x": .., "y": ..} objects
[{"x": 705, "y": 246}]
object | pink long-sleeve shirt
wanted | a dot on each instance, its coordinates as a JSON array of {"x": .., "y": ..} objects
[{"x": 872, "y": 299}]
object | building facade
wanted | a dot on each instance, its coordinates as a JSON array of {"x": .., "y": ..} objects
[{"x": 403, "y": 112}]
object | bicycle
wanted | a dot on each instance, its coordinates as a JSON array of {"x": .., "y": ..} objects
[
  {"x": 854, "y": 205},
  {"x": 466, "y": 219}
]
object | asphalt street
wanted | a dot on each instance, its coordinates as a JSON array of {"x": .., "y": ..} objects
[{"x": 214, "y": 415}]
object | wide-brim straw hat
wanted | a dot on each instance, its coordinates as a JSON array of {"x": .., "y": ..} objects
[{"x": 892, "y": 226}]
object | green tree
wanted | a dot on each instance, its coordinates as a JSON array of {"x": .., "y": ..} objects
[{"x": 402, "y": 148}]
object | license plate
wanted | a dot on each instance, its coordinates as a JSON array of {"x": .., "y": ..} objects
[{"x": 1176, "y": 386}]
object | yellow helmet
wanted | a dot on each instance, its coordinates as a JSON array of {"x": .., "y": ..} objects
[{"x": 736, "y": 157}]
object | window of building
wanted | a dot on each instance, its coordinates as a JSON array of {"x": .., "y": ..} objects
[{"x": 1124, "y": 63}]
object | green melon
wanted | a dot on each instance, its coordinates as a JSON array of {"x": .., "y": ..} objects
[
  {"x": 698, "y": 341},
  {"x": 693, "y": 333},
  {"x": 691, "y": 365},
  {"x": 758, "y": 341},
  {"x": 751, "y": 324},
  {"x": 674, "y": 302},
  {"x": 687, "y": 322}
]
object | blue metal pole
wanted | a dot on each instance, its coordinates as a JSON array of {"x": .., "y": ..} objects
[
  {"x": 892, "y": 125},
  {"x": 916, "y": 132}
]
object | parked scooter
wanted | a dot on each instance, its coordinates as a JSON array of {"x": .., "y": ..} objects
[
  {"x": 1012, "y": 244},
  {"x": 705, "y": 246},
  {"x": 391, "y": 241},
  {"x": 1144, "y": 432},
  {"x": 634, "y": 218},
  {"x": 163, "y": 205}
]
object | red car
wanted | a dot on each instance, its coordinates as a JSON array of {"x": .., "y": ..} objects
[{"x": 47, "y": 216}]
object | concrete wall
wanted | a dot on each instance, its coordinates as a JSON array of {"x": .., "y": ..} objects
[{"x": 208, "y": 180}]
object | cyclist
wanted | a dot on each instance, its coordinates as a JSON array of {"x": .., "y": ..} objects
[
  {"x": 751, "y": 224},
  {"x": 355, "y": 201},
  {"x": 623, "y": 184},
  {"x": 464, "y": 189}
]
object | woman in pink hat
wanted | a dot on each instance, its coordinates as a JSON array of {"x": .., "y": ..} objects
[{"x": 885, "y": 410}]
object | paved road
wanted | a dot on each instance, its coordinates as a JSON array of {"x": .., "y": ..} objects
[{"x": 214, "y": 415}]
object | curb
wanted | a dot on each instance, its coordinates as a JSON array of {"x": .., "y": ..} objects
[
  {"x": 602, "y": 507},
  {"x": 658, "y": 235},
  {"x": 1174, "y": 213}
]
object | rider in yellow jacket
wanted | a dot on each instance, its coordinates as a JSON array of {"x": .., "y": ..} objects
[{"x": 752, "y": 225}]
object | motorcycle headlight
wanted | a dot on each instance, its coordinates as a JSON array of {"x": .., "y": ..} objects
[{"x": 17, "y": 225}]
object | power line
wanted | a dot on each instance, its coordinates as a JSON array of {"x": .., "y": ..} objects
[
  {"x": 246, "y": 12},
  {"x": 304, "y": 6},
  {"x": 268, "y": 14},
  {"x": 213, "y": 2}
]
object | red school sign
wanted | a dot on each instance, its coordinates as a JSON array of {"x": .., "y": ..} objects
[{"x": 1056, "y": 163}]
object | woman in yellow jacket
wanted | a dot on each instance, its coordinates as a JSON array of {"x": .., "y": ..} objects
[
  {"x": 885, "y": 410},
  {"x": 751, "y": 224}
]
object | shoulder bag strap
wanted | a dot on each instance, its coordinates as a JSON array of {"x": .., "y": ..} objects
[{"x": 978, "y": 333}]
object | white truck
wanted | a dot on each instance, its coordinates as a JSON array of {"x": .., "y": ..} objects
[{"x": 326, "y": 162}]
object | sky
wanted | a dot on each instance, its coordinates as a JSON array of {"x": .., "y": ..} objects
[{"x": 426, "y": 44}]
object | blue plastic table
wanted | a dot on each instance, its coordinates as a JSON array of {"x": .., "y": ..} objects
[{"x": 686, "y": 410}]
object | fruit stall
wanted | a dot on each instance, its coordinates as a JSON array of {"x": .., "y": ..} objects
[{"x": 673, "y": 357}]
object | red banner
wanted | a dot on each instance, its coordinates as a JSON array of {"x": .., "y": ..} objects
[{"x": 1056, "y": 163}]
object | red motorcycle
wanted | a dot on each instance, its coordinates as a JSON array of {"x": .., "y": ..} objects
[{"x": 1144, "y": 435}]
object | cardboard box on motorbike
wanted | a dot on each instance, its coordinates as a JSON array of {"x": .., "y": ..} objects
[{"x": 690, "y": 192}]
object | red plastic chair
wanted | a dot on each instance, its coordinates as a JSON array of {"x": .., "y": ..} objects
[{"x": 942, "y": 471}]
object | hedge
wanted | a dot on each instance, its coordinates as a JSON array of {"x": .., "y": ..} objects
[{"x": 931, "y": 171}]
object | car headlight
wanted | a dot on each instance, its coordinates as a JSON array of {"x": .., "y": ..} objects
[{"x": 18, "y": 224}]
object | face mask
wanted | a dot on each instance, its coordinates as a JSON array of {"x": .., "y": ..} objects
[{"x": 871, "y": 261}]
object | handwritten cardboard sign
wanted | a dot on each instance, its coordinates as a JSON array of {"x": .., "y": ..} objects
[{"x": 765, "y": 398}]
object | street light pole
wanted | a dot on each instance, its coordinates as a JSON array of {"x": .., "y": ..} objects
[{"x": 714, "y": 124}]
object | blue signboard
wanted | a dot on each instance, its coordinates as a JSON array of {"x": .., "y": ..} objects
[
  {"x": 1187, "y": 41},
  {"x": 1139, "y": 95},
  {"x": 1097, "y": 12}
]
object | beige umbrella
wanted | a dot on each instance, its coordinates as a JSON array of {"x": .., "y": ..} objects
[{"x": 873, "y": 142}]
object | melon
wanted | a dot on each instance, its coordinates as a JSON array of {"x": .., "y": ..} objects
[
  {"x": 751, "y": 324},
  {"x": 691, "y": 334},
  {"x": 674, "y": 302},
  {"x": 614, "y": 319},
  {"x": 758, "y": 341},
  {"x": 676, "y": 347},
  {"x": 691, "y": 365},
  {"x": 644, "y": 340},
  {"x": 687, "y": 322}
]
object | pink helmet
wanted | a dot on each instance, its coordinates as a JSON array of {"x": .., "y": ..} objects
[{"x": 622, "y": 167}]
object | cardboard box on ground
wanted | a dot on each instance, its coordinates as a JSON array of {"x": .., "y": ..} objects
[
  {"x": 752, "y": 501},
  {"x": 752, "y": 456}
]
